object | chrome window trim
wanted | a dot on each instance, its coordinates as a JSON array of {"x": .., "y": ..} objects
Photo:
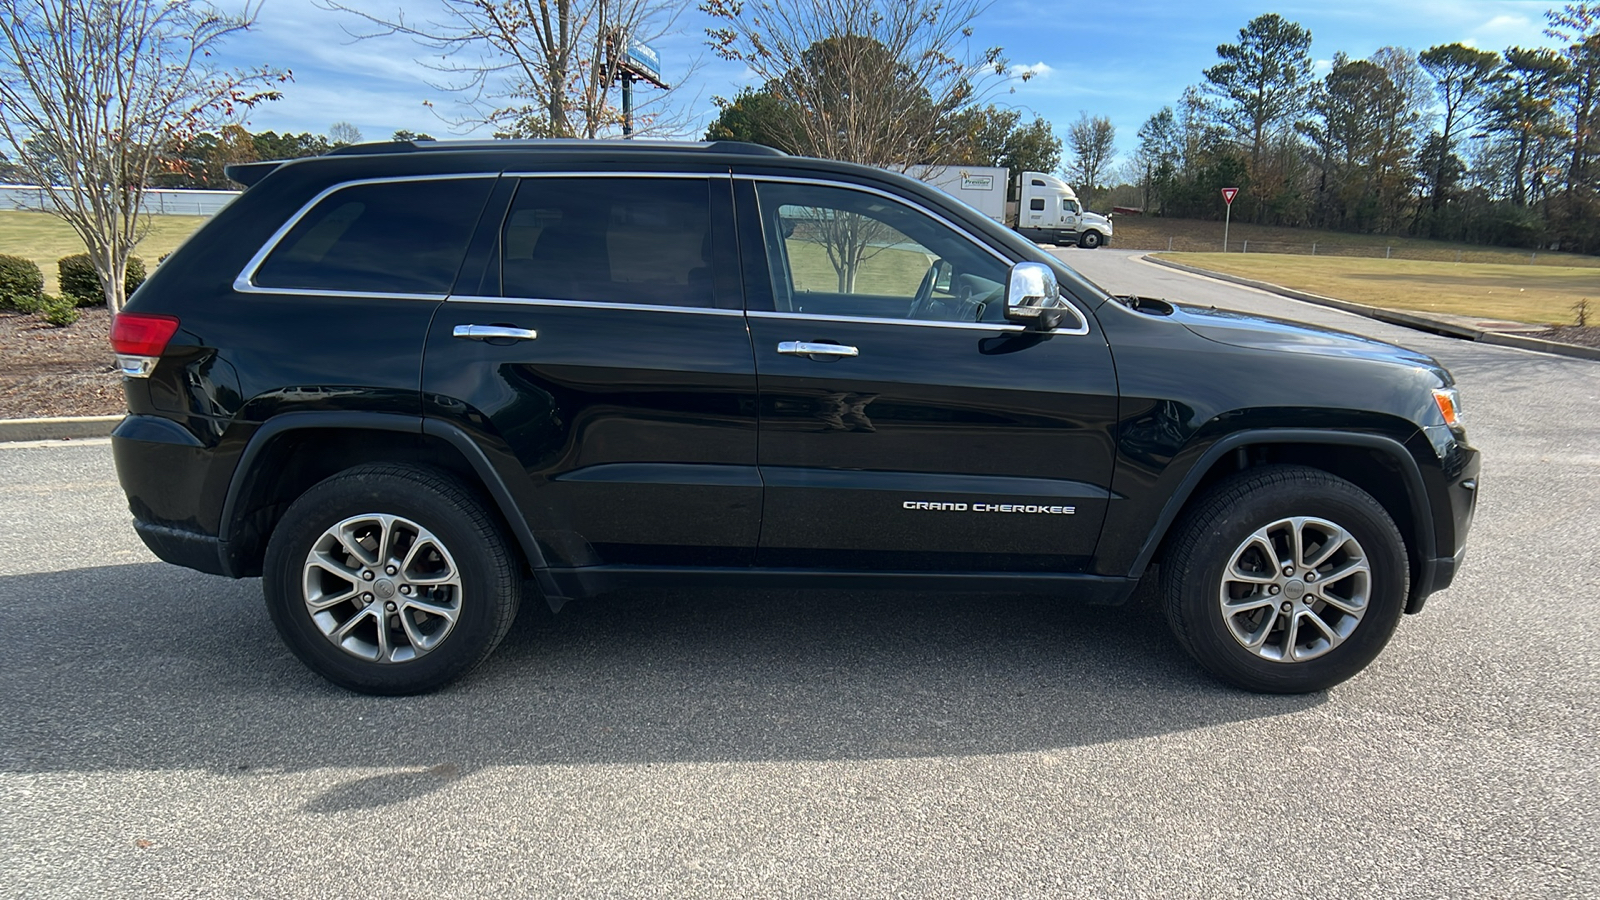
[
  {"x": 602, "y": 173},
  {"x": 245, "y": 282},
  {"x": 595, "y": 304},
  {"x": 1083, "y": 320},
  {"x": 866, "y": 320}
]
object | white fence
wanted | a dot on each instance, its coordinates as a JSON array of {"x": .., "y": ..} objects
[{"x": 157, "y": 201}]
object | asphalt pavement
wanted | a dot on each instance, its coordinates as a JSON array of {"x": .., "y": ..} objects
[{"x": 156, "y": 739}]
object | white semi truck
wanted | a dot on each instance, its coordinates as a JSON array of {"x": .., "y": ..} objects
[{"x": 1047, "y": 213}]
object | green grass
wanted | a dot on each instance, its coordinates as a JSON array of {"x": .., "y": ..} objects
[
  {"x": 1196, "y": 236},
  {"x": 44, "y": 239},
  {"x": 1520, "y": 293},
  {"x": 888, "y": 272}
]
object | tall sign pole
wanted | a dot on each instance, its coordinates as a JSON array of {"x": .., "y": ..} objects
[
  {"x": 627, "y": 103},
  {"x": 636, "y": 62},
  {"x": 1227, "y": 196}
]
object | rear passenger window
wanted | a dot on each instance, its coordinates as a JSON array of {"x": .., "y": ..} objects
[
  {"x": 403, "y": 237},
  {"x": 610, "y": 240}
]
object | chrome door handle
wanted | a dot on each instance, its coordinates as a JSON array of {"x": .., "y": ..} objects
[
  {"x": 485, "y": 332},
  {"x": 807, "y": 348}
]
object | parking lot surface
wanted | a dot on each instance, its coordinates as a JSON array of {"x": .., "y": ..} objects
[{"x": 156, "y": 739}]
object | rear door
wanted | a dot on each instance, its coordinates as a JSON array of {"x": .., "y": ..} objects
[
  {"x": 904, "y": 423},
  {"x": 603, "y": 356},
  {"x": 355, "y": 275}
]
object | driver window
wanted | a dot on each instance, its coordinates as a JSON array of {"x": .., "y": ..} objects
[
  {"x": 841, "y": 252},
  {"x": 1069, "y": 206}
]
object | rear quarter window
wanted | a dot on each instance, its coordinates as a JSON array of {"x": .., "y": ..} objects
[{"x": 400, "y": 237}]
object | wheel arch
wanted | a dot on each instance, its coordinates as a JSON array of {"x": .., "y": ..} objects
[
  {"x": 293, "y": 451},
  {"x": 1378, "y": 464}
]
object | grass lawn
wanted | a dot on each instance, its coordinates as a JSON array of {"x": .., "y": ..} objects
[
  {"x": 44, "y": 239},
  {"x": 888, "y": 271},
  {"x": 1201, "y": 236},
  {"x": 1520, "y": 293}
]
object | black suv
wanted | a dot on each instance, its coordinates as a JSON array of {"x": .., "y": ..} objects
[{"x": 405, "y": 383}]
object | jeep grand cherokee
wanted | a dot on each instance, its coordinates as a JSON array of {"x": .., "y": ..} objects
[{"x": 407, "y": 383}]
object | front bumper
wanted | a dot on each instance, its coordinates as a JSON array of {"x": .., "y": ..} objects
[{"x": 1460, "y": 504}]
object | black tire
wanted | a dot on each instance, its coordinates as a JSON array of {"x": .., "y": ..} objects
[
  {"x": 1214, "y": 529},
  {"x": 475, "y": 550},
  {"x": 1089, "y": 240}
]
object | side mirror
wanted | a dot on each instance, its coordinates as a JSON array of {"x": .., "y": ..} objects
[{"x": 1033, "y": 297}]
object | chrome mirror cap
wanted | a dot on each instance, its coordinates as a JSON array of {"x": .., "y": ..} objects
[{"x": 1033, "y": 297}]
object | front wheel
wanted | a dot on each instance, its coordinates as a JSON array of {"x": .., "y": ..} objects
[
  {"x": 1285, "y": 580},
  {"x": 1089, "y": 240},
  {"x": 389, "y": 579}
]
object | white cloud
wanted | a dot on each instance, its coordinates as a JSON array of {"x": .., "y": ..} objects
[
  {"x": 1035, "y": 71},
  {"x": 1504, "y": 30}
]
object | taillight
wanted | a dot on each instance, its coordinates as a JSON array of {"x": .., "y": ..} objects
[{"x": 139, "y": 339}]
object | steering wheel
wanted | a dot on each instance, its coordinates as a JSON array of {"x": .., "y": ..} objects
[{"x": 923, "y": 301}]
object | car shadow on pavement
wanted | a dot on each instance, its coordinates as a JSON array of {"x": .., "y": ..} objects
[{"x": 151, "y": 667}]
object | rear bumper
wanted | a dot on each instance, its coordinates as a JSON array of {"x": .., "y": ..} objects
[
  {"x": 164, "y": 470},
  {"x": 201, "y": 552}
]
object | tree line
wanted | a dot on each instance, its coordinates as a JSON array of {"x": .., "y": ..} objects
[
  {"x": 101, "y": 99},
  {"x": 1452, "y": 142}
]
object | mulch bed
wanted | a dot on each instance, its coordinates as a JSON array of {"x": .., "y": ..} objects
[
  {"x": 71, "y": 371},
  {"x": 46, "y": 371},
  {"x": 1588, "y": 336}
]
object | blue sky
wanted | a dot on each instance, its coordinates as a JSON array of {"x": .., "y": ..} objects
[{"x": 1124, "y": 59}]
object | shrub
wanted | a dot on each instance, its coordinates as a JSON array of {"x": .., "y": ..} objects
[
  {"x": 80, "y": 282},
  {"x": 59, "y": 311},
  {"x": 20, "y": 280},
  {"x": 29, "y": 304}
]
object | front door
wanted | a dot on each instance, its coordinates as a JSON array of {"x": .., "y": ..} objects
[
  {"x": 604, "y": 356},
  {"x": 905, "y": 424}
]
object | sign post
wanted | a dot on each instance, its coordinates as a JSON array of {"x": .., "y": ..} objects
[
  {"x": 639, "y": 61},
  {"x": 1227, "y": 195}
]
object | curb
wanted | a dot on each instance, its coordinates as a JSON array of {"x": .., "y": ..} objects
[
  {"x": 1393, "y": 317},
  {"x": 66, "y": 428}
]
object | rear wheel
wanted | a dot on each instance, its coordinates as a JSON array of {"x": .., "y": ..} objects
[
  {"x": 390, "y": 579},
  {"x": 1285, "y": 579}
]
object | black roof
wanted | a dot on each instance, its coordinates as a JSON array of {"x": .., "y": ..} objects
[
  {"x": 249, "y": 173},
  {"x": 557, "y": 144}
]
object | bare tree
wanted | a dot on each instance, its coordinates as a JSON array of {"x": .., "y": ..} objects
[
  {"x": 872, "y": 81},
  {"x": 343, "y": 134},
  {"x": 538, "y": 68},
  {"x": 111, "y": 83},
  {"x": 1094, "y": 143}
]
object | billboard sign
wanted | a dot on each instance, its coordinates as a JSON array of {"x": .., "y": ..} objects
[{"x": 644, "y": 62}]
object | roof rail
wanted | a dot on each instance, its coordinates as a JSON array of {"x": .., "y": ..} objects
[
  {"x": 740, "y": 147},
  {"x": 249, "y": 173}
]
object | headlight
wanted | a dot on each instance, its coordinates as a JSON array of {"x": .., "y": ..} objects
[{"x": 1449, "y": 403}]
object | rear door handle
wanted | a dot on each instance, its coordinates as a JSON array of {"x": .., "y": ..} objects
[
  {"x": 808, "y": 348},
  {"x": 486, "y": 332}
]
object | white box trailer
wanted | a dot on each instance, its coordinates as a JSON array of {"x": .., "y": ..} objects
[
  {"x": 981, "y": 187},
  {"x": 1048, "y": 212}
]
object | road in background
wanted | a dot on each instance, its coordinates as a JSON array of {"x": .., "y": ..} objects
[{"x": 157, "y": 739}]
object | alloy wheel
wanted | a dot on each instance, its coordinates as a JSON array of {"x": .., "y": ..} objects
[
  {"x": 382, "y": 588},
  {"x": 1295, "y": 589}
]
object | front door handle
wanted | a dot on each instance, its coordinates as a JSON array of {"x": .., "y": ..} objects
[
  {"x": 808, "y": 348},
  {"x": 488, "y": 332}
]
